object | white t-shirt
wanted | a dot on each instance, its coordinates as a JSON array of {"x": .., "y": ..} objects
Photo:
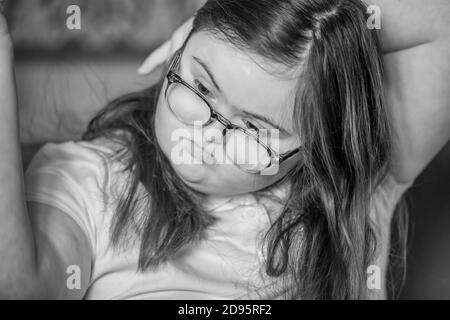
[{"x": 79, "y": 179}]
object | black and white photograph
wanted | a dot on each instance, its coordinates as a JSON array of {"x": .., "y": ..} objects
[{"x": 241, "y": 151}]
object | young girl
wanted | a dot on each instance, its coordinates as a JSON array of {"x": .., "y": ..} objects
[{"x": 118, "y": 211}]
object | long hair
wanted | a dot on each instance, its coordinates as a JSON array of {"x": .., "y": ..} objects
[{"x": 323, "y": 239}]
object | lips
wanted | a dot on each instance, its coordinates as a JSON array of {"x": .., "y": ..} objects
[
  {"x": 199, "y": 153},
  {"x": 208, "y": 157}
]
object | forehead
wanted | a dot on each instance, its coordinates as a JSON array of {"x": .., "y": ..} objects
[{"x": 247, "y": 81}]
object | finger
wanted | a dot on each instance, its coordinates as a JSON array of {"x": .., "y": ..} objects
[
  {"x": 156, "y": 58},
  {"x": 164, "y": 52},
  {"x": 5, "y": 38},
  {"x": 182, "y": 32},
  {"x": 3, "y": 27},
  {"x": 8, "y": 98},
  {"x": 180, "y": 35},
  {"x": 7, "y": 81}
]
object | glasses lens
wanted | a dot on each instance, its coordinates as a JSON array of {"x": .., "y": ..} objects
[
  {"x": 246, "y": 152},
  {"x": 187, "y": 106}
]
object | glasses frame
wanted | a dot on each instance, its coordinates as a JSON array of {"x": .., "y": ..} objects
[{"x": 172, "y": 77}]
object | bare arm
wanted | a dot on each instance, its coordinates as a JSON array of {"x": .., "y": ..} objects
[
  {"x": 34, "y": 253},
  {"x": 410, "y": 23},
  {"x": 416, "y": 37}
]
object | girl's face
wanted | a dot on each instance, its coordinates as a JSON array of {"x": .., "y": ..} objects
[{"x": 238, "y": 87}]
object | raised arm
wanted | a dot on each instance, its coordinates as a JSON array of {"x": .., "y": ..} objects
[
  {"x": 37, "y": 242},
  {"x": 416, "y": 37},
  {"x": 410, "y": 23}
]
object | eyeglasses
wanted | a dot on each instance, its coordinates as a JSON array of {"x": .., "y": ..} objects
[{"x": 245, "y": 147}]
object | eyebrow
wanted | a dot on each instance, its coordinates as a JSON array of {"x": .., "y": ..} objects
[
  {"x": 208, "y": 71},
  {"x": 260, "y": 117}
]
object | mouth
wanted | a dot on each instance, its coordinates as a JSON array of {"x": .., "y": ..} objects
[{"x": 197, "y": 152}]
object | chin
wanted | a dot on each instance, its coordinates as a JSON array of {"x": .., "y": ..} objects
[
  {"x": 192, "y": 174},
  {"x": 198, "y": 178}
]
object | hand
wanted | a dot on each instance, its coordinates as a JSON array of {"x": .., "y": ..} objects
[
  {"x": 7, "y": 85},
  {"x": 166, "y": 50},
  {"x": 4, "y": 32},
  {"x": 5, "y": 38}
]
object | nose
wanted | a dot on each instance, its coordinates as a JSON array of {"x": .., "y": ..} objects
[
  {"x": 213, "y": 136},
  {"x": 213, "y": 133},
  {"x": 213, "y": 142}
]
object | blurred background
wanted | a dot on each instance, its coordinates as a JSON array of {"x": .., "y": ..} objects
[{"x": 65, "y": 76}]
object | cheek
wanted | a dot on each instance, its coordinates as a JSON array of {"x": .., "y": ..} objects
[
  {"x": 221, "y": 179},
  {"x": 165, "y": 125}
]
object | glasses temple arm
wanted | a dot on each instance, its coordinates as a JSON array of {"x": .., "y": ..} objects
[{"x": 288, "y": 154}]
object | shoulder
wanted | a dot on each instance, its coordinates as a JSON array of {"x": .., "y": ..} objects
[
  {"x": 80, "y": 158},
  {"x": 84, "y": 165},
  {"x": 75, "y": 177},
  {"x": 77, "y": 150},
  {"x": 73, "y": 172}
]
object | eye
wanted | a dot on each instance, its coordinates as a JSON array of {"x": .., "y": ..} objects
[
  {"x": 251, "y": 126},
  {"x": 202, "y": 89}
]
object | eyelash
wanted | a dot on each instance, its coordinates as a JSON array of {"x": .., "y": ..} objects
[{"x": 199, "y": 86}]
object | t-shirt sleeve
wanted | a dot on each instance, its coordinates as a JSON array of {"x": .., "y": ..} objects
[{"x": 69, "y": 176}]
